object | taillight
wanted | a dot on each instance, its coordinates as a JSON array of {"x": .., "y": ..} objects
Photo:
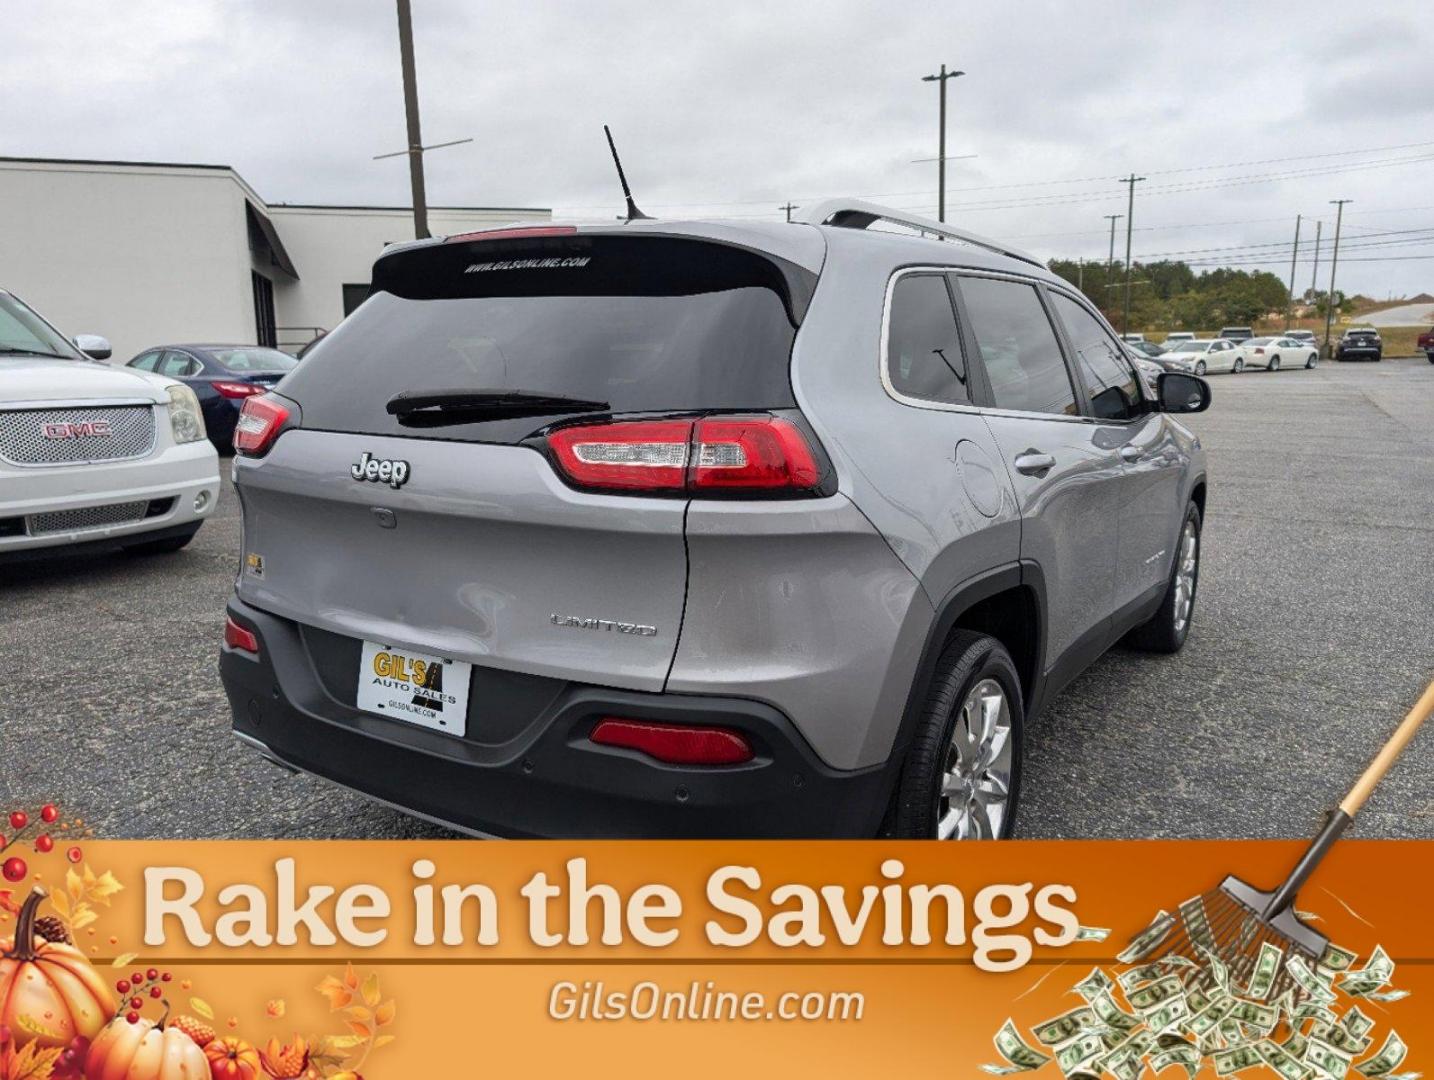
[
  {"x": 739, "y": 454},
  {"x": 260, "y": 421},
  {"x": 238, "y": 637},
  {"x": 675, "y": 744},
  {"x": 236, "y": 389}
]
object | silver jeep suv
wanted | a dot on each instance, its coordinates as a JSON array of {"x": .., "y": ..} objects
[{"x": 703, "y": 529}]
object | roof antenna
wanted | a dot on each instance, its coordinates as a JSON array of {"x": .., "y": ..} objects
[{"x": 633, "y": 213}]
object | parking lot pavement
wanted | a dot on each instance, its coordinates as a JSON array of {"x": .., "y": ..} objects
[{"x": 1313, "y": 633}]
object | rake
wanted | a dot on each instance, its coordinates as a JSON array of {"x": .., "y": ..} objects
[{"x": 1234, "y": 921}]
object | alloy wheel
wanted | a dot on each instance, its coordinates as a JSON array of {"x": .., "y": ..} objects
[
  {"x": 976, "y": 774},
  {"x": 1187, "y": 562}
]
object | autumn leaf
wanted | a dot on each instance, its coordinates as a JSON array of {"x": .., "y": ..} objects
[
  {"x": 276, "y": 1008},
  {"x": 351, "y": 979},
  {"x": 202, "y": 1007},
  {"x": 74, "y": 885},
  {"x": 359, "y": 1013},
  {"x": 383, "y": 1040},
  {"x": 26, "y": 1022},
  {"x": 123, "y": 960},
  {"x": 371, "y": 993},
  {"x": 32, "y": 1062},
  {"x": 61, "y": 903},
  {"x": 338, "y": 994},
  {"x": 363, "y": 1031},
  {"x": 7, "y": 902},
  {"x": 103, "y": 888},
  {"x": 384, "y": 1014},
  {"x": 84, "y": 915},
  {"x": 338, "y": 1042}
]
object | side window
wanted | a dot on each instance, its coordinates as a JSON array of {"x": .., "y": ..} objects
[
  {"x": 177, "y": 365},
  {"x": 1018, "y": 346},
  {"x": 147, "y": 362},
  {"x": 1110, "y": 380},
  {"x": 923, "y": 348}
]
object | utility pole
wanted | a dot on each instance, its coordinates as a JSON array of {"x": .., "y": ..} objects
[
  {"x": 410, "y": 108},
  {"x": 942, "y": 78},
  {"x": 1131, "y": 180},
  {"x": 1290, "y": 303},
  {"x": 1080, "y": 275},
  {"x": 1333, "y": 266},
  {"x": 789, "y": 207},
  {"x": 1110, "y": 262},
  {"x": 1314, "y": 275}
]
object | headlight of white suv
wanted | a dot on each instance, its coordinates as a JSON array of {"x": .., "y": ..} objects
[{"x": 185, "y": 419}]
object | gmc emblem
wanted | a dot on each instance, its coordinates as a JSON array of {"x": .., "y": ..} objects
[{"x": 90, "y": 429}]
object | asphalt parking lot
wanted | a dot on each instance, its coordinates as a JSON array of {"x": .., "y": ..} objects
[{"x": 1313, "y": 632}]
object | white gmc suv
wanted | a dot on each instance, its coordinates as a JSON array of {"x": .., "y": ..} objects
[{"x": 93, "y": 455}]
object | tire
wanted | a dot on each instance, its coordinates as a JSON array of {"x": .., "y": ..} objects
[
  {"x": 1199, "y": 367},
  {"x": 168, "y": 546},
  {"x": 1274, "y": 364},
  {"x": 1430, "y": 355},
  {"x": 1169, "y": 626},
  {"x": 1239, "y": 367},
  {"x": 973, "y": 667},
  {"x": 1310, "y": 362}
]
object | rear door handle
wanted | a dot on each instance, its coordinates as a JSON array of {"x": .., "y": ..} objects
[
  {"x": 1131, "y": 453},
  {"x": 1033, "y": 463}
]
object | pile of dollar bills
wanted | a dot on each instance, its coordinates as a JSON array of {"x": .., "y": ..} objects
[{"x": 1192, "y": 1012}]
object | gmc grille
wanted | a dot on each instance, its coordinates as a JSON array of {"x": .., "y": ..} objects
[{"x": 23, "y": 438}]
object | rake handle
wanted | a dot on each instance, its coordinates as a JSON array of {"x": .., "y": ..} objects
[
  {"x": 1386, "y": 757},
  {"x": 1341, "y": 818}
]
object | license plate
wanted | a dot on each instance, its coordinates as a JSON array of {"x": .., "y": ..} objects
[{"x": 417, "y": 688}]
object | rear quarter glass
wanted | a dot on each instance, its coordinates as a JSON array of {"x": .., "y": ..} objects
[{"x": 646, "y": 324}]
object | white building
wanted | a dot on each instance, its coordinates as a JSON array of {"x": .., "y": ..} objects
[{"x": 148, "y": 253}]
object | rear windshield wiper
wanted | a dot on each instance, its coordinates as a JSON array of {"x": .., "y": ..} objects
[{"x": 434, "y": 408}]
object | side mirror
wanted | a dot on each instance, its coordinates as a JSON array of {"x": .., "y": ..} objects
[
  {"x": 1181, "y": 393},
  {"x": 93, "y": 346}
]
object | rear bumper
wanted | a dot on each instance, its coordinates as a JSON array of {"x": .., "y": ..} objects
[{"x": 544, "y": 778}]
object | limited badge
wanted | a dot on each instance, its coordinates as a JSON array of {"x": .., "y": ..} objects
[{"x": 254, "y": 564}]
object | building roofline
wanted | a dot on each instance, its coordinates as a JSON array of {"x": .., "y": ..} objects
[
  {"x": 134, "y": 164},
  {"x": 409, "y": 209}
]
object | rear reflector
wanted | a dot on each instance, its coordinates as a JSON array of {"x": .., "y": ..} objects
[
  {"x": 260, "y": 421},
  {"x": 237, "y": 637},
  {"x": 675, "y": 744},
  {"x": 743, "y": 454},
  {"x": 236, "y": 389},
  {"x": 514, "y": 234}
]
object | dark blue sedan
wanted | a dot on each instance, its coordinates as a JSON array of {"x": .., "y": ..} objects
[{"x": 221, "y": 375}]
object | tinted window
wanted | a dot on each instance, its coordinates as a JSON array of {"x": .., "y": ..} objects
[
  {"x": 923, "y": 349},
  {"x": 146, "y": 362},
  {"x": 1110, "y": 380},
  {"x": 1017, "y": 346},
  {"x": 649, "y": 324}
]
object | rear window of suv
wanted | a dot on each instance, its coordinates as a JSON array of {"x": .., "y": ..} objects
[{"x": 646, "y": 324}]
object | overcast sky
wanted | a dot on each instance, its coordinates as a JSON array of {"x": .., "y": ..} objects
[{"x": 735, "y": 108}]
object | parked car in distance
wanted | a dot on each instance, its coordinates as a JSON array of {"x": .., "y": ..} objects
[
  {"x": 1273, "y": 353},
  {"x": 1360, "y": 343},
  {"x": 93, "y": 455},
  {"x": 1207, "y": 355},
  {"x": 1426, "y": 342},
  {"x": 221, "y": 376},
  {"x": 1304, "y": 337},
  {"x": 1132, "y": 339},
  {"x": 1146, "y": 348},
  {"x": 1236, "y": 333},
  {"x": 1177, "y": 336},
  {"x": 573, "y": 574}
]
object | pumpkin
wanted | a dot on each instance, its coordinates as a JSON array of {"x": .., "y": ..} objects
[
  {"x": 231, "y": 1058},
  {"x": 49, "y": 994},
  {"x": 144, "y": 1050}
]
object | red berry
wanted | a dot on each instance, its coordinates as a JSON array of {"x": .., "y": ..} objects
[
  {"x": 165, "y": 977},
  {"x": 44, "y": 844},
  {"x": 14, "y": 868},
  {"x": 122, "y": 986},
  {"x": 136, "y": 1003},
  {"x": 155, "y": 991},
  {"x": 152, "y": 974},
  {"x": 3, "y": 842},
  {"x": 19, "y": 819},
  {"x": 132, "y": 1017},
  {"x": 74, "y": 854},
  {"x": 49, "y": 812}
]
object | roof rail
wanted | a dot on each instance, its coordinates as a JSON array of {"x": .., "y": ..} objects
[{"x": 856, "y": 214}]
